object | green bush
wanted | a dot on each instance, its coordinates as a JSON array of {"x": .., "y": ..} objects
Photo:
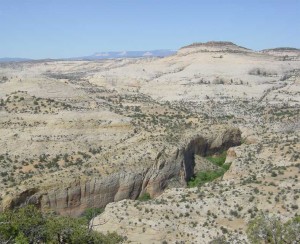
[
  {"x": 204, "y": 177},
  {"x": 145, "y": 197},
  {"x": 207, "y": 176},
  {"x": 218, "y": 160},
  {"x": 28, "y": 225},
  {"x": 90, "y": 213}
]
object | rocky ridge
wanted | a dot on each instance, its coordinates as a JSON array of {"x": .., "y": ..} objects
[{"x": 214, "y": 46}]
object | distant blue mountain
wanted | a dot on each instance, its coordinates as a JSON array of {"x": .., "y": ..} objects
[
  {"x": 128, "y": 54},
  {"x": 5, "y": 60},
  {"x": 105, "y": 55}
]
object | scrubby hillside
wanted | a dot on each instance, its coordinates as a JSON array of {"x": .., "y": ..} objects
[{"x": 210, "y": 134}]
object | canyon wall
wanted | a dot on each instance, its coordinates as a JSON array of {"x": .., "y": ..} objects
[{"x": 167, "y": 171}]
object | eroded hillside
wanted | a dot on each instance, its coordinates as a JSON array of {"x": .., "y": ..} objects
[{"x": 78, "y": 134}]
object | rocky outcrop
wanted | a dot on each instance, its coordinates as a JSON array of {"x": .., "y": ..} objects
[
  {"x": 177, "y": 169},
  {"x": 214, "y": 46},
  {"x": 23, "y": 198},
  {"x": 74, "y": 199},
  {"x": 168, "y": 171},
  {"x": 282, "y": 52}
]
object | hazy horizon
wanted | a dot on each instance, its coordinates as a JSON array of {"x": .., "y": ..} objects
[{"x": 62, "y": 29}]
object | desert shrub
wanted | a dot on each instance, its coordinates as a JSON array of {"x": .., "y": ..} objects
[
  {"x": 270, "y": 229},
  {"x": 218, "y": 81},
  {"x": 144, "y": 197},
  {"x": 265, "y": 229},
  {"x": 205, "y": 176},
  {"x": 29, "y": 225},
  {"x": 219, "y": 240},
  {"x": 218, "y": 160},
  {"x": 261, "y": 72},
  {"x": 92, "y": 212},
  {"x": 285, "y": 77}
]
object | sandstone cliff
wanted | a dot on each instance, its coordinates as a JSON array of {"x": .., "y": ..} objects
[{"x": 168, "y": 171}]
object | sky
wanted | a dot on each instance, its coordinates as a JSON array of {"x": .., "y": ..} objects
[{"x": 72, "y": 28}]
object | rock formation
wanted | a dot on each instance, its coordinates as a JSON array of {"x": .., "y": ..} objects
[{"x": 168, "y": 171}]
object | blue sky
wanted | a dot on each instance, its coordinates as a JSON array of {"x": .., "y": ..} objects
[{"x": 70, "y": 28}]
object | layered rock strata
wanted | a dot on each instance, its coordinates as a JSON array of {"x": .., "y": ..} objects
[{"x": 168, "y": 171}]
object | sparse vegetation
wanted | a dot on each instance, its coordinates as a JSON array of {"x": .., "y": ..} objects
[
  {"x": 270, "y": 229},
  {"x": 72, "y": 128},
  {"x": 261, "y": 72}
]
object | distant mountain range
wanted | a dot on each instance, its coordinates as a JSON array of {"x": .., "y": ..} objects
[
  {"x": 159, "y": 53},
  {"x": 128, "y": 54},
  {"x": 107, "y": 55},
  {"x": 4, "y": 60}
]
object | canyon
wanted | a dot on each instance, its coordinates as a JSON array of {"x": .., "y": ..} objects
[{"x": 81, "y": 134}]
